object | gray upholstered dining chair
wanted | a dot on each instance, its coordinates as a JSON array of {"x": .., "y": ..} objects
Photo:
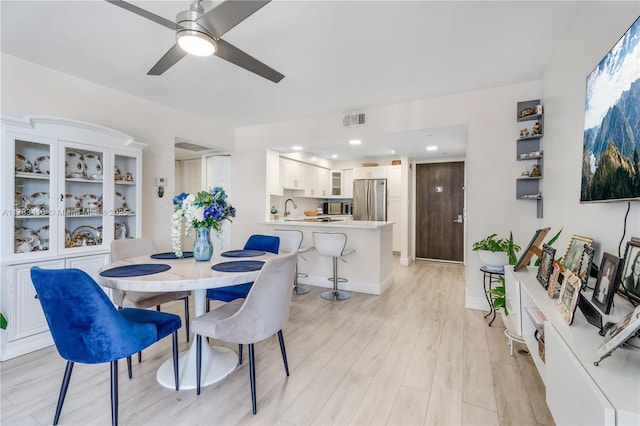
[
  {"x": 263, "y": 313},
  {"x": 132, "y": 247}
]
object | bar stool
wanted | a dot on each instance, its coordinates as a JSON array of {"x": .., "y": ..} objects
[
  {"x": 291, "y": 239},
  {"x": 333, "y": 244}
]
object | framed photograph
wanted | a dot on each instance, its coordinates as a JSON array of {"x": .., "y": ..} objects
[
  {"x": 553, "y": 281},
  {"x": 622, "y": 331},
  {"x": 532, "y": 248},
  {"x": 573, "y": 253},
  {"x": 569, "y": 293},
  {"x": 606, "y": 283},
  {"x": 546, "y": 265},
  {"x": 630, "y": 277},
  {"x": 586, "y": 261}
]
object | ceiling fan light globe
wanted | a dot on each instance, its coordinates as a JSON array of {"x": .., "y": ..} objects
[{"x": 196, "y": 43}]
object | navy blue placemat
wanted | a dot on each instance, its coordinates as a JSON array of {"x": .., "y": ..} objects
[
  {"x": 238, "y": 266},
  {"x": 172, "y": 255},
  {"x": 242, "y": 253},
  {"x": 135, "y": 270}
]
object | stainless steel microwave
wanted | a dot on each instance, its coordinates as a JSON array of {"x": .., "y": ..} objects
[{"x": 336, "y": 208}]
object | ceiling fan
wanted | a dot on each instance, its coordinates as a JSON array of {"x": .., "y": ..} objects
[{"x": 199, "y": 33}]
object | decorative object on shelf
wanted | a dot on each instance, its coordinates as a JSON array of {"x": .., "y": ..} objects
[
  {"x": 74, "y": 165},
  {"x": 120, "y": 231},
  {"x": 370, "y": 164},
  {"x": 568, "y": 300},
  {"x": 117, "y": 175},
  {"x": 552, "y": 289},
  {"x": 22, "y": 164},
  {"x": 538, "y": 109},
  {"x": 524, "y": 172},
  {"x": 92, "y": 165},
  {"x": 42, "y": 165},
  {"x": 202, "y": 246},
  {"x": 630, "y": 277},
  {"x": 532, "y": 248},
  {"x": 546, "y": 265},
  {"x": 525, "y": 112},
  {"x": 535, "y": 170},
  {"x": 606, "y": 283},
  {"x": 203, "y": 210},
  {"x": 536, "y": 129},
  {"x": 524, "y": 133}
]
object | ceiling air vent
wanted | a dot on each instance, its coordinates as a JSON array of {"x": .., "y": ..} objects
[
  {"x": 192, "y": 146},
  {"x": 354, "y": 119}
]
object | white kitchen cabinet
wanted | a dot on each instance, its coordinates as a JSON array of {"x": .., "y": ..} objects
[
  {"x": 317, "y": 181},
  {"x": 336, "y": 183},
  {"x": 71, "y": 188},
  {"x": 347, "y": 183},
  {"x": 292, "y": 174},
  {"x": 577, "y": 391},
  {"x": 394, "y": 181},
  {"x": 370, "y": 172},
  {"x": 324, "y": 182}
]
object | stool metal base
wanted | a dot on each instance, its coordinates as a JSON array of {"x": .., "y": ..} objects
[
  {"x": 298, "y": 289},
  {"x": 335, "y": 295}
]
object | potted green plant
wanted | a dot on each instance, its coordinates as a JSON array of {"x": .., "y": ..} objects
[
  {"x": 497, "y": 252},
  {"x": 3, "y": 321}
]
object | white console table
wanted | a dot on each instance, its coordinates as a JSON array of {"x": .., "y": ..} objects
[{"x": 577, "y": 392}]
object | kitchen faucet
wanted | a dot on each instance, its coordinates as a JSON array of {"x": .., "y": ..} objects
[{"x": 286, "y": 212}]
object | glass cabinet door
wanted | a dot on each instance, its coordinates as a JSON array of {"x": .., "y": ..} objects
[
  {"x": 33, "y": 207},
  {"x": 81, "y": 196},
  {"x": 126, "y": 175}
]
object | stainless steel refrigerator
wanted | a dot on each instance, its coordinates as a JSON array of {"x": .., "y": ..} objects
[{"x": 370, "y": 199}]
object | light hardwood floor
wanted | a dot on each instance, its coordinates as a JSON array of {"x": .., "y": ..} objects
[{"x": 412, "y": 356}]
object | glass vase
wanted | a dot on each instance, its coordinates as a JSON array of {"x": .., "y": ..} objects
[{"x": 202, "y": 247}]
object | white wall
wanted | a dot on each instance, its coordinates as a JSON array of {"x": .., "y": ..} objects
[
  {"x": 596, "y": 30},
  {"x": 29, "y": 89}
]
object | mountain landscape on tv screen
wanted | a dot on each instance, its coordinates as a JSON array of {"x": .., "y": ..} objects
[{"x": 611, "y": 150}]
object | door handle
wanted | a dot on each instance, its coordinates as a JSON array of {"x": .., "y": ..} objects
[{"x": 458, "y": 219}]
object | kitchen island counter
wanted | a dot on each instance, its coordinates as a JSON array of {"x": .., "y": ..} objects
[{"x": 369, "y": 269}]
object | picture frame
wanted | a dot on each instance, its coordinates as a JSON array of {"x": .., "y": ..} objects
[
  {"x": 630, "y": 275},
  {"x": 617, "y": 335},
  {"x": 586, "y": 262},
  {"x": 607, "y": 282},
  {"x": 553, "y": 281},
  {"x": 569, "y": 293},
  {"x": 573, "y": 254},
  {"x": 532, "y": 248},
  {"x": 546, "y": 265}
]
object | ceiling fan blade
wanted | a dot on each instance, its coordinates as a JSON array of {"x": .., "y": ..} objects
[
  {"x": 228, "y": 14},
  {"x": 168, "y": 60},
  {"x": 236, "y": 56},
  {"x": 144, "y": 13}
]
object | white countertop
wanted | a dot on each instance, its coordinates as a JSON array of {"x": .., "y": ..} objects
[{"x": 341, "y": 223}]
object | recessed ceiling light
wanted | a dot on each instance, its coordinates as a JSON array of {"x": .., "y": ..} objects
[
  {"x": 393, "y": 151},
  {"x": 296, "y": 148},
  {"x": 355, "y": 141},
  {"x": 334, "y": 156},
  {"x": 432, "y": 148}
]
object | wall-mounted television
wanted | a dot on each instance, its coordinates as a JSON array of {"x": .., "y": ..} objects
[{"x": 611, "y": 147}]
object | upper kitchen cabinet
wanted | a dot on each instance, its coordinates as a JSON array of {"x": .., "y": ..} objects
[
  {"x": 375, "y": 172},
  {"x": 292, "y": 174},
  {"x": 316, "y": 181}
]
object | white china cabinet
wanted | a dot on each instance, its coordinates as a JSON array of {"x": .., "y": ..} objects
[{"x": 68, "y": 189}]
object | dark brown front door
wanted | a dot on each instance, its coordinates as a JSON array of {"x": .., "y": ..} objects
[{"x": 439, "y": 211}]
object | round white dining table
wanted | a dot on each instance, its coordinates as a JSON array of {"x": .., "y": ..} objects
[{"x": 187, "y": 274}]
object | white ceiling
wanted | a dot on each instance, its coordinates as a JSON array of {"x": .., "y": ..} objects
[{"x": 337, "y": 56}]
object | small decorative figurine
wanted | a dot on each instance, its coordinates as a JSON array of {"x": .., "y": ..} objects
[
  {"x": 535, "y": 170},
  {"x": 536, "y": 129},
  {"x": 525, "y": 172},
  {"x": 524, "y": 132}
]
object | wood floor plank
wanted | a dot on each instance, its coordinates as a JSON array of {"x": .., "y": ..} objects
[{"x": 409, "y": 408}]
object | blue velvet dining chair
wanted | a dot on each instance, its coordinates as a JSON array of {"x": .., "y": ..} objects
[
  {"x": 268, "y": 243},
  {"x": 87, "y": 328}
]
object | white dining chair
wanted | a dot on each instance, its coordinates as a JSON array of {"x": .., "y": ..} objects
[{"x": 291, "y": 239}]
